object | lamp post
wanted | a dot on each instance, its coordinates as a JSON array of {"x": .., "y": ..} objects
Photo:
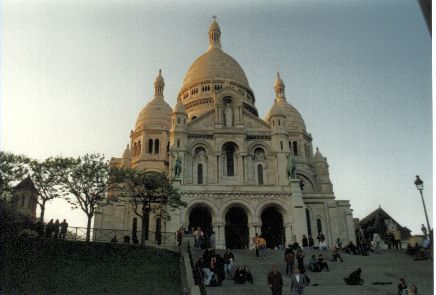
[{"x": 420, "y": 186}]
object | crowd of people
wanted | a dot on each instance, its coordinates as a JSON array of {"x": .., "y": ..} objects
[
  {"x": 216, "y": 268},
  {"x": 56, "y": 230}
]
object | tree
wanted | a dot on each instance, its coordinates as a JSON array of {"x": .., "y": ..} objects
[
  {"x": 47, "y": 182},
  {"x": 13, "y": 168},
  {"x": 86, "y": 178},
  {"x": 146, "y": 192}
]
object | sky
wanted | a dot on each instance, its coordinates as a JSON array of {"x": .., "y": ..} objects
[{"x": 76, "y": 74}]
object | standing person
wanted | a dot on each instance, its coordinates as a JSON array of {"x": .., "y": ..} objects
[
  {"x": 228, "y": 261},
  {"x": 298, "y": 282},
  {"x": 56, "y": 228},
  {"x": 300, "y": 262},
  {"x": 64, "y": 229},
  {"x": 198, "y": 235},
  {"x": 388, "y": 240},
  {"x": 305, "y": 242},
  {"x": 402, "y": 287},
  {"x": 49, "y": 229},
  {"x": 179, "y": 235},
  {"x": 212, "y": 240},
  {"x": 311, "y": 242},
  {"x": 256, "y": 247},
  {"x": 289, "y": 259},
  {"x": 275, "y": 281},
  {"x": 261, "y": 242}
]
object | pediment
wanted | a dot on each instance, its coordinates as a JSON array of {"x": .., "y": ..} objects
[
  {"x": 204, "y": 122},
  {"x": 253, "y": 122}
]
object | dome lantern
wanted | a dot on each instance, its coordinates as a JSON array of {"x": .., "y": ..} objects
[
  {"x": 279, "y": 87},
  {"x": 214, "y": 34},
  {"x": 159, "y": 85}
]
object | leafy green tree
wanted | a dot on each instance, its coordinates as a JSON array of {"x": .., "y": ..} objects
[
  {"x": 85, "y": 180},
  {"x": 47, "y": 182},
  {"x": 146, "y": 192}
]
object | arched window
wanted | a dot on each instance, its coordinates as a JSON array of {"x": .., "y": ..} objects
[
  {"x": 295, "y": 145},
  {"x": 281, "y": 145},
  {"x": 306, "y": 151},
  {"x": 178, "y": 120},
  {"x": 138, "y": 151},
  {"x": 319, "y": 225},
  {"x": 168, "y": 147},
  {"x": 259, "y": 174},
  {"x": 150, "y": 146},
  {"x": 200, "y": 173},
  {"x": 229, "y": 151},
  {"x": 178, "y": 143},
  {"x": 156, "y": 146},
  {"x": 135, "y": 148}
]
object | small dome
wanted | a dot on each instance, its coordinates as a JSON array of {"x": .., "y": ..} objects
[
  {"x": 277, "y": 109},
  {"x": 293, "y": 117},
  {"x": 179, "y": 108},
  {"x": 127, "y": 154},
  {"x": 155, "y": 115}
]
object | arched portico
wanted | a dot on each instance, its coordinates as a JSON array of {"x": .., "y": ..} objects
[
  {"x": 236, "y": 228},
  {"x": 273, "y": 229}
]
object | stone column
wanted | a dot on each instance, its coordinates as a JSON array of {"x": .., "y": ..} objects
[
  {"x": 220, "y": 237},
  {"x": 253, "y": 228},
  {"x": 299, "y": 226},
  {"x": 289, "y": 233}
]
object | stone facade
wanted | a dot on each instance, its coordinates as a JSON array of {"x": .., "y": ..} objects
[{"x": 240, "y": 175}]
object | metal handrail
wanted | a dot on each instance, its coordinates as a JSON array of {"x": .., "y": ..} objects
[
  {"x": 197, "y": 272},
  {"x": 79, "y": 234}
]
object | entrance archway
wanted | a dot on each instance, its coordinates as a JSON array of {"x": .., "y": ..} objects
[
  {"x": 236, "y": 228},
  {"x": 200, "y": 216},
  {"x": 272, "y": 227}
]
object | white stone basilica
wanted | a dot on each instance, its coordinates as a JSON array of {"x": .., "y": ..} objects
[{"x": 232, "y": 166}]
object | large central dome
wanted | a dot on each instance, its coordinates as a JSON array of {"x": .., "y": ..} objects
[
  {"x": 211, "y": 72},
  {"x": 212, "y": 65}
]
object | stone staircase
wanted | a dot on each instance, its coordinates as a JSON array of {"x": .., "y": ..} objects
[{"x": 387, "y": 267}]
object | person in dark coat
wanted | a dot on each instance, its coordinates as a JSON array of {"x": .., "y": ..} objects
[
  {"x": 56, "y": 226},
  {"x": 64, "y": 229},
  {"x": 240, "y": 275},
  {"x": 289, "y": 259},
  {"x": 275, "y": 281},
  {"x": 354, "y": 278},
  {"x": 402, "y": 287},
  {"x": 248, "y": 275},
  {"x": 305, "y": 242},
  {"x": 49, "y": 229},
  {"x": 300, "y": 262},
  {"x": 322, "y": 263},
  {"x": 220, "y": 269}
]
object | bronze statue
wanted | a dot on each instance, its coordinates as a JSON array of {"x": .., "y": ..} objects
[
  {"x": 291, "y": 169},
  {"x": 178, "y": 167}
]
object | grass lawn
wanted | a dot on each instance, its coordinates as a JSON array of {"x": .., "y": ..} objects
[{"x": 60, "y": 267}]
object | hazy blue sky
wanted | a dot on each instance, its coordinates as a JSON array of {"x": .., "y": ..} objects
[{"x": 75, "y": 75}]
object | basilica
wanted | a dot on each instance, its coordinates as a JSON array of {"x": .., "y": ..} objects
[{"x": 239, "y": 174}]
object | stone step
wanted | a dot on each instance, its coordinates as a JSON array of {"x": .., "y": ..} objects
[{"x": 388, "y": 267}]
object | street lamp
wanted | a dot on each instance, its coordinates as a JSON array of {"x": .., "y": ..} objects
[{"x": 420, "y": 186}]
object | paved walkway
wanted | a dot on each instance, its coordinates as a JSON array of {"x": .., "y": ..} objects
[{"x": 387, "y": 267}]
